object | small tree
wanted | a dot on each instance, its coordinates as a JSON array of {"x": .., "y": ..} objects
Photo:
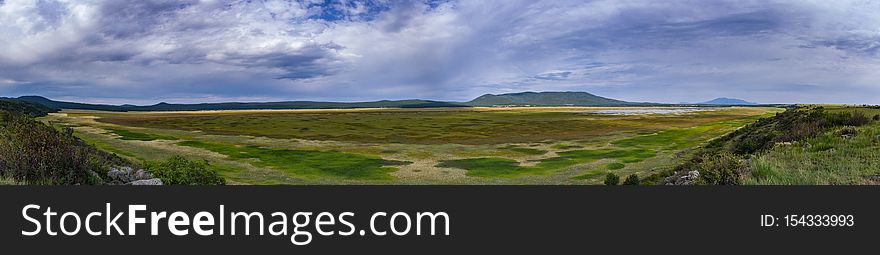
[
  {"x": 858, "y": 118},
  {"x": 632, "y": 179},
  {"x": 611, "y": 179},
  {"x": 177, "y": 170},
  {"x": 721, "y": 169}
]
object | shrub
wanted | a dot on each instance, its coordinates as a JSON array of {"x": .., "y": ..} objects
[
  {"x": 839, "y": 118},
  {"x": 847, "y": 131},
  {"x": 34, "y": 153},
  {"x": 177, "y": 170},
  {"x": 632, "y": 179},
  {"x": 751, "y": 144},
  {"x": 876, "y": 117},
  {"x": 720, "y": 169},
  {"x": 658, "y": 177},
  {"x": 857, "y": 118},
  {"x": 611, "y": 179}
]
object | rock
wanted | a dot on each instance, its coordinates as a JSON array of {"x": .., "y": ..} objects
[
  {"x": 125, "y": 175},
  {"x": 693, "y": 175},
  {"x": 122, "y": 174},
  {"x": 153, "y": 181},
  {"x": 847, "y": 132},
  {"x": 114, "y": 174},
  {"x": 685, "y": 179},
  {"x": 140, "y": 174}
]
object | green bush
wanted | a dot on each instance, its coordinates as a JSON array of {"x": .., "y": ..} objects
[
  {"x": 34, "y": 153},
  {"x": 720, "y": 169},
  {"x": 177, "y": 170},
  {"x": 751, "y": 144},
  {"x": 632, "y": 179},
  {"x": 876, "y": 117},
  {"x": 611, "y": 179},
  {"x": 857, "y": 118}
]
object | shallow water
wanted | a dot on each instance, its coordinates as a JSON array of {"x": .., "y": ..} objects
[{"x": 640, "y": 111}]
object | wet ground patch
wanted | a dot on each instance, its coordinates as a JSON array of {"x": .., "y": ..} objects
[
  {"x": 137, "y": 136},
  {"x": 307, "y": 163}
]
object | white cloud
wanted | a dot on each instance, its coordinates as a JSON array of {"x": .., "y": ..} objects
[{"x": 149, "y": 51}]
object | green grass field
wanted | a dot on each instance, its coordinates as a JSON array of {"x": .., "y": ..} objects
[
  {"x": 830, "y": 158},
  {"x": 131, "y": 135},
  {"x": 307, "y": 162},
  {"x": 426, "y": 126},
  {"x": 562, "y": 145}
]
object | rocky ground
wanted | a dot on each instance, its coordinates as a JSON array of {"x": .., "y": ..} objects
[{"x": 129, "y": 176}]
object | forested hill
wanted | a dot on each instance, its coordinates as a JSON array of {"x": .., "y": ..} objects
[
  {"x": 546, "y": 99},
  {"x": 238, "y": 106},
  {"x": 32, "y": 109},
  {"x": 488, "y": 100}
]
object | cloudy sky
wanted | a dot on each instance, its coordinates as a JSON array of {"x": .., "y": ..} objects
[{"x": 144, "y": 51}]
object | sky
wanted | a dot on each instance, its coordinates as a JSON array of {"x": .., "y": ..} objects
[{"x": 145, "y": 51}]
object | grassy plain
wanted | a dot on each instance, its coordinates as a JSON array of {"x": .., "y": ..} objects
[
  {"x": 309, "y": 163},
  {"x": 131, "y": 135},
  {"x": 422, "y": 126},
  {"x": 550, "y": 145}
]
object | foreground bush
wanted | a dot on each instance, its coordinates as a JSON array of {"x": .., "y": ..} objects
[
  {"x": 177, "y": 170},
  {"x": 612, "y": 179},
  {"x": 632, "y": 179},
  {"x": 34, "y": 153},
  {"x": 721, "y": 169}
]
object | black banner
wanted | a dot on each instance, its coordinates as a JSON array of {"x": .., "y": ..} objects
[{"x": 485, "y": 219}]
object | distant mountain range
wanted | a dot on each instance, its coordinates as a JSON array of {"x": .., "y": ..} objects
[
  {"x": 727, "y": 101},
  {"x": 487, "y": 100},
  {"x": 239, "y": 106},
  {"x": 545, "y": 99}
]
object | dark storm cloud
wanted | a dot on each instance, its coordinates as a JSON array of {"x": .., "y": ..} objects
[
  {"x": 664, "y": 33},
  {"x": 120, "y": 19},
  {"x": 869, "y": 46},
  {"x": 553, "y": 76},
  {"x": 667, "y": 51}
]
